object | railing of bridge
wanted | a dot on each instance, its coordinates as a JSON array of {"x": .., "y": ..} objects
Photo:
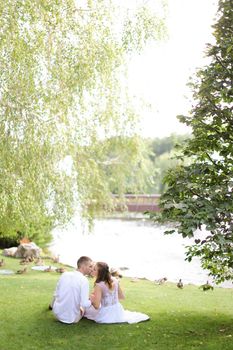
[{"x": 137, "y": 202}]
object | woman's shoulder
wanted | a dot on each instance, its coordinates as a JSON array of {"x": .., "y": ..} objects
[
  {"x": 100, "y": 284},
  {"x": 103, "y": 285}
]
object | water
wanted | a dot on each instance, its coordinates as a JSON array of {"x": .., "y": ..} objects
[{"x": 138, "y": 245}]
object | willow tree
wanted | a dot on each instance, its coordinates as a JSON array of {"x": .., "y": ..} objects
[
  {"x": 200, "y": 195},
  {"x": 61, "y": 92}
]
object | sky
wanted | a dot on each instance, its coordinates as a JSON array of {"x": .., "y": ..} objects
[{"x": 159, "y": 75}]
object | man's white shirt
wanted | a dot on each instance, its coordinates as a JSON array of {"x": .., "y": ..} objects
[{"x": 72, "y": 292}]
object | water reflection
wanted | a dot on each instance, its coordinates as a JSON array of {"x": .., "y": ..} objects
[{"x": 138, "y": 245}]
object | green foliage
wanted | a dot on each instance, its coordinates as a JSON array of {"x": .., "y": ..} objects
[
  {"x": 128, "y": 165},
  {"x": 159, "y": 146},
  {"x": 199, "y": 196},
  {"x": 61, "y": 66},
  {"x": 164, "y": 156},
  {"x": 120, "y": 165},
  {"x": 135, "y": 167}
]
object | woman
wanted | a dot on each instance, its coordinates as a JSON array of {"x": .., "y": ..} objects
[{"x": 105, "y": 300}]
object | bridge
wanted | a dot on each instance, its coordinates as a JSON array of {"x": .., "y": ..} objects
[{"x": 137, "y": 203}]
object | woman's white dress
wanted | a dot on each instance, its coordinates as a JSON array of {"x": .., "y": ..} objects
[{"x": 110, "y": 310}]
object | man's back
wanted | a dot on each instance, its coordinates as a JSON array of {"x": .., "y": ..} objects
[{"x": 71, "y": 293}]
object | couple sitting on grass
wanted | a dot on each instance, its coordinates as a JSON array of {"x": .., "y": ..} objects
[{"x": 71, "y": 300}]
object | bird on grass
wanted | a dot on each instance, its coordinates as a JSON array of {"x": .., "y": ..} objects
[
  {"x": 49, "y": 269},
  {"x": 39, "y": 262},
  {"x": 24, "y": 261},
  {"x": 115, "y": 273},
  {"x": 60, "y": 269},
  {"x": 55, "y": 259},
  {"x": 206, "y": 286},
  {"x": 180, "y": 284},
  {"x": 161, "y": 281},
  {"x": 20, "y": 272},
  {"x": 2, "y": 263},
  {"x": 29, "y": 258}
]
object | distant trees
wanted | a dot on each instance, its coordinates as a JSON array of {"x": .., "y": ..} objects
[
  {"x": 166, "y": 144},
  {"x": 119, "y": 165},
  {"x": 200, "y": 195},
  {"x": 140, "y": 164},
  {"x": 61, "y": 94},
  {"x": 164, "y": 156}
]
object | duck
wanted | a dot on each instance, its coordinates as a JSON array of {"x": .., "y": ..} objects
[
  {"x": 30, "y": 258},
  {"x": 55, "y": 259},
  {"x": 180, "y": 284},
  {"x": 24, "y": 261},
  {"x": 49, "y": 269},
  {"x": 115, "y": 273},
  {"x": 206, "y": 286},
  {"x": 20, "y": 272},
  {"x": 2, "y": 263},
  {"x": 39, "y": 262},
  {"x": 60, "y": 269},
  {"x": 161, "y": 280}
]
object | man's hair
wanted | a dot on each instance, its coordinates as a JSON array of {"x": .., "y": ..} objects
[{"x": 83, "y": 260}]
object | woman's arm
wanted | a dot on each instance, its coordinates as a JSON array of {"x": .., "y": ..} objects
[
  {"x": 96, "y": 297},
  {"x": 120, "y": 293}
]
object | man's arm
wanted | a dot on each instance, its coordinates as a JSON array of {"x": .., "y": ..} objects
[
  {"x": 84, "y": 295},
  {"x": 55, "y": 294}
]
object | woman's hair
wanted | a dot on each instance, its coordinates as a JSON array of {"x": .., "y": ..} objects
[{"x": 103, "y": 274}]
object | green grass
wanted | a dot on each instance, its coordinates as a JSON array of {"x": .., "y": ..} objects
[{"x": 180, "y": 319}]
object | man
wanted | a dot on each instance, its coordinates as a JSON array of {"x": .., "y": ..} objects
[{"x": 71, "y": 296}]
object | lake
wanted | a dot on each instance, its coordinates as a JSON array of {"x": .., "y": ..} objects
[{"x": 136, "y": 244}]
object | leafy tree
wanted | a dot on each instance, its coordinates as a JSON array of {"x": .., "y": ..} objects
[
  {"x": 199, "y": 195},
  {"x": 132, "y": 165},
  {"x": 163, "y": 154},
  {"x": 162, "y": 164},
  {"x": 121, "y": 166},
  {"x": 61, "y": 66},
  {"x": 159, "y": 146}
]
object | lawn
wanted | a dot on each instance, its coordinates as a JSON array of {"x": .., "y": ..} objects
[{"x": 180, "y": 319}]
